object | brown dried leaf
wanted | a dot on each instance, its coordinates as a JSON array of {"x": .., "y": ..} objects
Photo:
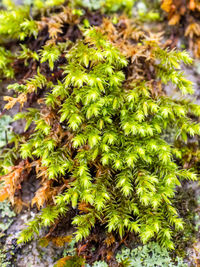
[
  {"x": 166, "y": 5},
  {"x": 44, "y": 194},
  {"x": 11, "y": 102},
  {"x": 192, "y": 30},
  {"x": 192, "y": 5},
  {"x": 83, "y": 207},
  {"x": 174, "y": 19},
  {"x": 12, "y": 181},
  {"x": 110, "y": 240},
  {"x": 61, "y": 240}
]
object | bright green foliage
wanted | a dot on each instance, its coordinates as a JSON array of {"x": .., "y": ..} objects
[
  {"x": 37, "y": 5},
  {"x": 51, "y": 53},
  {"x": 144, "y": 10},
  {"x": 26, "y": 54},
  {"x": 107, "y": 5},
  {"x": 6, "y": 58},
  {"x": 44, "y": 4},
  {"x": 148, "y": 10},
  {"x": 151, "y": 255},
  {"x": 167, "y": 69},
  {"x": 116, "y": 157},
  {"x": 114, "y": 6},
  {"x": 46, "y": 218},
  {"x": 16, "y": 23}
]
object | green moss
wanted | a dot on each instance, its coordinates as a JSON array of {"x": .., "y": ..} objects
[
  {"x": 100, "y": 127},
  {"x": 6, "y": 70},
  {"x": 94, "y": 104}
]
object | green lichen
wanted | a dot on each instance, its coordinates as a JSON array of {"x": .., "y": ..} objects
[
  {"x": 151, "y": 255},
  {"x": 6, "y": 215}
]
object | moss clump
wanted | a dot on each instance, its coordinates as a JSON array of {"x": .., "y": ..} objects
[{"x": 96, "y": 137}]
